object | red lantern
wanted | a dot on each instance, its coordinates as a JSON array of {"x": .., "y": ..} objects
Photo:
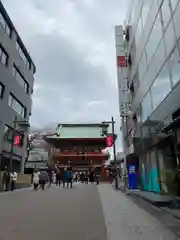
[
  {"x": 17, "y": 140},
  {"x": 109, "y": 141}
]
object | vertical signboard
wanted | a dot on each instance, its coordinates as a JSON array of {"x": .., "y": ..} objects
[
  {"x": 132, "y": 177},
  {"x": 121, "y": 71}
]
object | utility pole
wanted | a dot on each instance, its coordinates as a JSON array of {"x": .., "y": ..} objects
[
  {"x": 114, "y": 153},
  {"x": 12, "y": 143}
]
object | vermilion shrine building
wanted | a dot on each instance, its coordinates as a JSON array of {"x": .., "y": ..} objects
[{"x": 78, "y": 145}]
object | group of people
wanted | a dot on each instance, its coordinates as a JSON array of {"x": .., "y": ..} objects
[
  {"x": 63, "y": 176},
  {"x": 85, "y": 177},
  {"x": 40, "y": 178},
  {"x": 9, "y": 180}
]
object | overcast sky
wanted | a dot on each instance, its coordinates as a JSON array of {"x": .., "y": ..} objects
[{"x": 72, "y": 45}]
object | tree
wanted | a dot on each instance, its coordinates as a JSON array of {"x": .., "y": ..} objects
[{"x": 30, "y": 146}]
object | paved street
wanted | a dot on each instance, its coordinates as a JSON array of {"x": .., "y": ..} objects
[{"x": 85, "y": 212}]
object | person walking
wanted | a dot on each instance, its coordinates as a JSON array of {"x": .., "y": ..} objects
[
  {"x": 13, "y": 180},
  {"x": 43, "y": 178},
  {"x": 36, "y": 179},
  {"x": 91, "y": 177},
  {"x": 64, "y": 177},
  {"x": 69, "y": 178},
  {"x": 97, "y": 178},
  {"x": 6, "y": 179},
  {"x": 58, "y": 176}
]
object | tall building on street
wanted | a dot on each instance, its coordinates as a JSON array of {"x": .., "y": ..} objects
[
  {"x": 16, "y": 87},
  {"x": 150, "y": 43}
]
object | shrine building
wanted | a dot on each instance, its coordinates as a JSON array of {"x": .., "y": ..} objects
[{"x": 79, "y": 146}]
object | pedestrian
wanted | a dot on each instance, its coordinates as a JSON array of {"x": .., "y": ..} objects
[
  {"x": 64, "y": 177},
  {"x": 97, "y": 178},
  {"x": 86, "y": 177},
  {"x": 69, "y": 178},
  {"x": 36, "y": 179},
  {"x": 58, "y": 176},
  {"x": 50, "y": 176},
  {"x": 6, "y": 179},
  {"x": 43, "y": 178},
  {"x": 13, "y": 180},
  {"x": 91, "y": 177}
]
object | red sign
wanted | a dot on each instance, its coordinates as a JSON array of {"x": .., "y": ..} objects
[
  {"x": 121, "y": 61},
  {"x": 109, "y": 141},
  {"x": 17, "y": 140}
]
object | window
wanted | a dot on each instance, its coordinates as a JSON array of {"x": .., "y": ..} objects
[
  {"x": 3, "y": 57},
  {"x": 166, "y": 13},
  {"x": 145, "y": 11},
  {"x": 154, "y": 39},
  {"x": 146, "y": 106},
  {"x": 22, "y": 55},
  {"x": 169, "y": 38},
  {"x": 5, "y": 25},
  {"x": 1, "y": 90},
  {"x": 174, "y": 4},
  {"x": 16, "y": 106},
  {"x": 161, "y": 86},
  {"x": 19, "y": 78},
  {"x": 175, "y": 66},
  {"x": 142, "y": 66},
  {"x": 138, "y": 32}
]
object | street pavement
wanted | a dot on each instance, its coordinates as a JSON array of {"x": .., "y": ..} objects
[{"x": 86, "y": 212}]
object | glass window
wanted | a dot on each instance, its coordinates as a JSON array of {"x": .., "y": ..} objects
[
  {"x": 22, "y": 55},
  {"x": 5, "y": 25},
  {"x": 145, "y": 11},
  {"x": 19, "y": 78},
  {"x": 166, "y": 12},
  {"x": 1, "y": 90},
  {"x": 174, "y": 4},
  {"x": 146, "y": 106},
  {"x": 154, "y": 39},
  {"x": 169, "y": 38},
  {"x": 3, "y": 57},
  {"x": 161, "y": 87},
  {"x": 17, "y": 106},
  {"x": 138, "y": 32},
  {"x": 175, "y": 66},
  {"x": 142, "y": 66}
]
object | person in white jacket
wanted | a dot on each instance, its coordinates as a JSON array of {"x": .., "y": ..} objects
[{"x": 36, "y": 179}]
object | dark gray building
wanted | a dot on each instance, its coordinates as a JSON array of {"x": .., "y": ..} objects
[
  {"x": 151, "y": 128},
  {"x": 16, "y": 87}
]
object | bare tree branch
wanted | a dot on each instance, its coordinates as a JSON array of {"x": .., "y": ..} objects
[{"x": 30, "y": 146}]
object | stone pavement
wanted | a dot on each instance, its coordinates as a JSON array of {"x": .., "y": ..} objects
[
  {"x": 67, "y": 214},
  {"x": 126, "y": 220},
  {"x": 86, "y": 212}
]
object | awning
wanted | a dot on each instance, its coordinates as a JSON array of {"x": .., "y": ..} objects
[
  {"x": 172, "y": 126},
  {"x": 15, "y": 157}
]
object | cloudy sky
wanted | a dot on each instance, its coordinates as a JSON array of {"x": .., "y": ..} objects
[{"x": 72, "y": 45}]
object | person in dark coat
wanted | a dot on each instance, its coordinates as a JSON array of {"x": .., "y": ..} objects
[
  {"x": 6, "y": 179},
  {"x": 91, "y": 177}
]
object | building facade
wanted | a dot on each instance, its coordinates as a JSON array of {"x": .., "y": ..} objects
[
  {"x": 16, "y": 87},
  {"x": 152, "y": 49}
]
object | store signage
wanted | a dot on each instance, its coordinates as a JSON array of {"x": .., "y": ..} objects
[{"x": 121, "y": 61}]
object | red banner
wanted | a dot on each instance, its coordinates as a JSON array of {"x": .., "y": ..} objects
[
  {"x": 121, "y": 61},
  {"x": 17, "y": 140},
  {"x": 109, "y": 141}
]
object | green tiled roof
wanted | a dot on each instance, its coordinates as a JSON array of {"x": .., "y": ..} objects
[{"x": 79, "y": 131}]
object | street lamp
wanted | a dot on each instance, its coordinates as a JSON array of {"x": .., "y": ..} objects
[
  {"x": 23, "y": 125},
  {"x": 105, "y": 132}
]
